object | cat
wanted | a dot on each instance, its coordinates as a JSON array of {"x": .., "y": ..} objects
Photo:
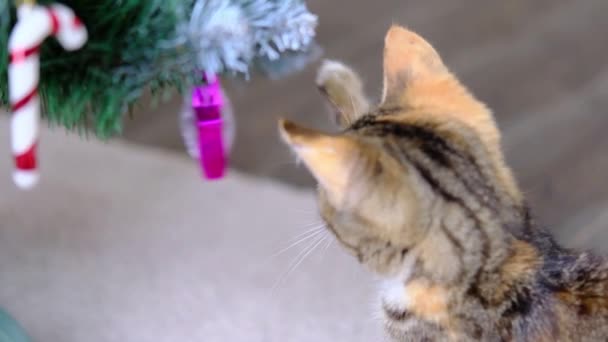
[{"x": 417, "y": 189}]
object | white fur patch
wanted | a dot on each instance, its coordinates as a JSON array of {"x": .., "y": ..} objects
[
  {"x": 394, "y": 295},
  {"x": 392, "y": 290}
]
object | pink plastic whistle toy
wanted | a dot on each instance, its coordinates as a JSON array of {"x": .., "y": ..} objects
[{"x": 207, "y": 103}]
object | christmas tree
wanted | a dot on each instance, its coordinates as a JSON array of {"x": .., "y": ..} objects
[{"x": 157, "y": 44}]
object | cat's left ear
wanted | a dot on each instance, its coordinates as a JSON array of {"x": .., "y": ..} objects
[
  {"x": 332, "y": 159},
  {"x": 408, "y": 60}
]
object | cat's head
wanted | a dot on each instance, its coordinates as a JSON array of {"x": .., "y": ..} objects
[{"x": 387, "y": 178}]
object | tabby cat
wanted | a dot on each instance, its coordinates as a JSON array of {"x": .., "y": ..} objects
[{"x": 418, "y": 190}]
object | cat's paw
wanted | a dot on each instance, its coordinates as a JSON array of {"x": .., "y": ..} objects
[
  {"x": 333, "y": 74},
  {"x": 343, "y": 89}
]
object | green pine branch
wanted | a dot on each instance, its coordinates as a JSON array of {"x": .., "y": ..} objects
[{"x": 132, "y": 45}]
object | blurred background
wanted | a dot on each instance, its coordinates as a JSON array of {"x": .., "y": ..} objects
[
  {"x": 124, "y": 241},
  {"x": 541, "y": 65}
]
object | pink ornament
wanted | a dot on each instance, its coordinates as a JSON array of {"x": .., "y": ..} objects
[
  {"x": 34, "y": 24},
  {"x": 207, "y": 102},
  {"x": 207, "y": 127}
]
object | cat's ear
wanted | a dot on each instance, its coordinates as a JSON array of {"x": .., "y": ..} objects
[
  {"x": 408, "y": 59},
  {"x": 343, "y": 91},
  {"x": 332, "y": 159}
]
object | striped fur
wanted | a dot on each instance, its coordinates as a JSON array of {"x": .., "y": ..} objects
[{"x": 418, "y": 190}]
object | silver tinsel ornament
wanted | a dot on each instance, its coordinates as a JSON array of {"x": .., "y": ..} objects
[
  {"x": 221, "y": 36},
  {"x": 280, "y": 26},
  {"x": 227, "y": 36}
]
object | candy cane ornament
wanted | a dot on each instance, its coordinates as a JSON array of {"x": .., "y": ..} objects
[{"x": 34, "y": 24}]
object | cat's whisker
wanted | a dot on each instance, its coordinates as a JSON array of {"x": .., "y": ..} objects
[
  {"x": 318, "y": 226},
  {"x": 306, "y": 236},
  {"x": 306, "y": 224},
  {"x": 310, "y": 250},
  {"x": 329, "y": 242},
  {"x": 304, "y": 253},
  {"x": 297, "y": 257}
]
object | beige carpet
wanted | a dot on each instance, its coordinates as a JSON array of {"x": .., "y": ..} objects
[{"x": 123, "y": 243}]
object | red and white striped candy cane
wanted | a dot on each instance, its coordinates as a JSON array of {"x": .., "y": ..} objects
[{"x": 34, "y": 24}]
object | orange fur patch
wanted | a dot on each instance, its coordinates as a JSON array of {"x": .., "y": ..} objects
[
  {"x": 584, "y": 304},
  {"x": 524, "y": 260},
  {"x": 429, "y": 302},
  {"x": 519, "y": 267},
  {"x": 407, "y": 57}
]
